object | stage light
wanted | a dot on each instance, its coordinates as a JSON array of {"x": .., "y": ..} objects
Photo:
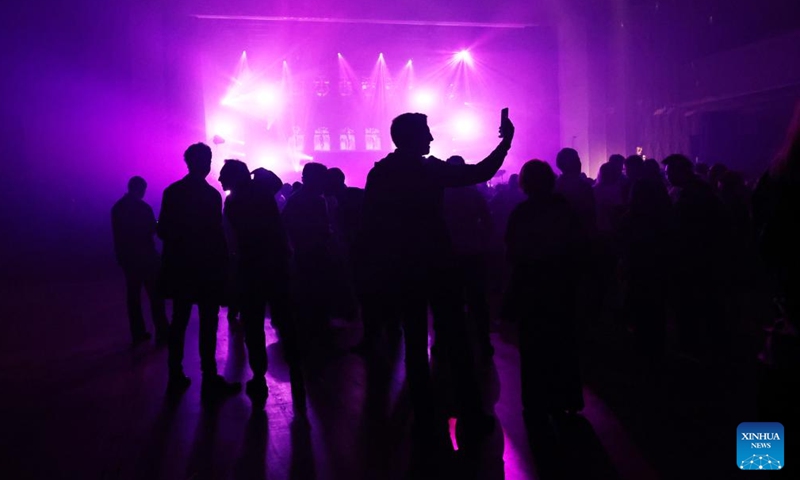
[
  {"x": 222, "y": 127},
  {"x": 409, "y": 63},
  {"x": 339, "y": 55},
  {"x": 267, "y": 97},
  {"x": 466, "y": 126},
  {"x": 423, "y": 99},
  {"x": 463, "y": 56}
]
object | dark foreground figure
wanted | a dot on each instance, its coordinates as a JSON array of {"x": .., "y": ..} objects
[
  {"x": 776, "y": 205},
  {"x": 134, "y": 226},
  {"x": 194, "y": 267},
  {"x": 406, "y": 263},
  {"x": 545, "y": 239},
  {"x": 262, "y": 274}
]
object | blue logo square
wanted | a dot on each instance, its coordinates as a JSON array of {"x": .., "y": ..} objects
[{"x": 759, "y": 446}]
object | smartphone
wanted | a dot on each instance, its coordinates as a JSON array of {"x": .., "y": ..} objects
[{"x": 503, "y": 119}]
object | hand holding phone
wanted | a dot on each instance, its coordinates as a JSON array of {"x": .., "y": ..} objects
[{"x": 506, "y": 127}]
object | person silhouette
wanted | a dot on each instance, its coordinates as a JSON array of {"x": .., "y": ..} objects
[
  {"x": 776, "y": 203},
  {"x": 573, "y": 185},
  {"x": 194, "y": 268},
  {"x": 405, "y": 260},
  {"x": 470, "y": 224},
  {"x": 701, "y": 253},
  {"x": 134, "y": 226},
  {"x": 262, "y": 253},
  {"x": 308, "y": 226},
  {"x": 545, "y": 237},
  {"x": 344, "y": 207}
]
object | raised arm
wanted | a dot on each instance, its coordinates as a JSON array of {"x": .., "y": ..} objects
[{"x": 449, "y": 176}]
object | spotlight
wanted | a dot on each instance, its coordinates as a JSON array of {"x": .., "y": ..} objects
[
  {"x": 267, "y": 97},
  {"x": 463, "y": 56},
  {"x": 218, "y": 140},
  {"x": 409, "y": 64},
  {"x": 466, "y": 126},
  {"x": 423, "y": 99}
]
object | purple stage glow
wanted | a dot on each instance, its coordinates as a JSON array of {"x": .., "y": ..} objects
[{"x": 327, "y": 93}]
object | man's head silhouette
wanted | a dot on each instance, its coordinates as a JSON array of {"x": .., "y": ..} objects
[
  {"x": 233, "y": 174},
  {"x": 537, "y": 178},
  {"x": 411, "y": 135},
  {"x": 680, "y": 170},
  {"x": 334, "y": 181},
  {"x": 137, "y": 186},
  {"x": 633, "y": 167},
  {"x": 198, "y": 159},
  {"x": 568, "y": 161},
  {"x": 314, "y": 177}
]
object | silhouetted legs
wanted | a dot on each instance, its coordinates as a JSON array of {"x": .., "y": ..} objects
[
  {"x": 549, "y": 367},
  {"x": 134, "y": 282},
  {"x": 474, "y": 274},
  {"x": 209, "y": 319},
  {"x": 285, "y": 322},
  {"x": 549, "y": 364},
  {"x": 311, "y": 299},
  {"x": 379, "y": 313},
  {"x": 413, "y": 310},
  {"x": 448, "y": 313},
  {"x": 447, "y": 306},
  {"x": 253, "y": 312},
  {"x": 233, "y": 287}
]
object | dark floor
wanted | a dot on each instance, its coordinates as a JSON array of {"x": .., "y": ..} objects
[{"x": 78, "y": 402}]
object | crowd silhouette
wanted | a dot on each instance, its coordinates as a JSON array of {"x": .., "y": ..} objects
[{"x": 663, "y": 248}]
